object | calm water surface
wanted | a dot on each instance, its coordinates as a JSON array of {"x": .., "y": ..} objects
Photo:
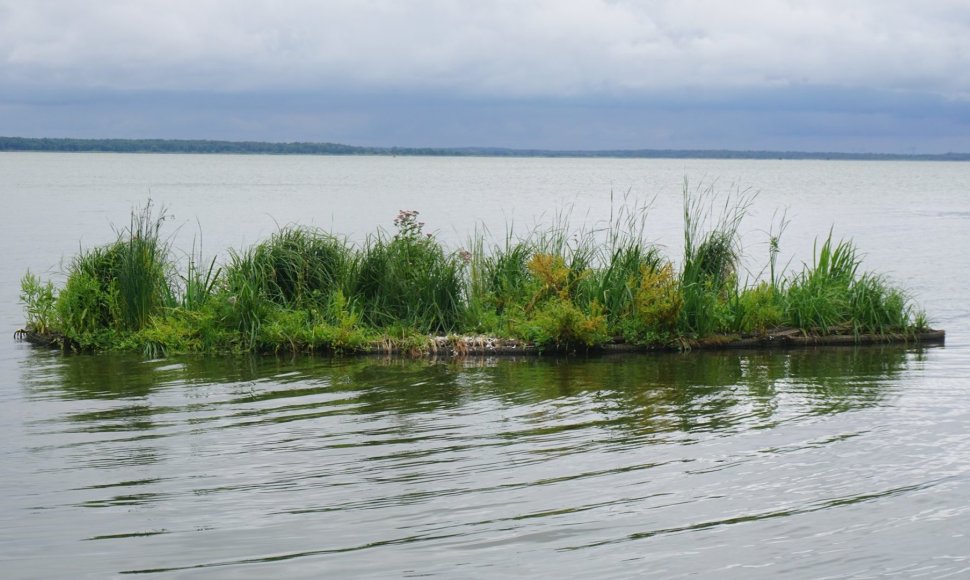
[{"x": 827, "y": 463}]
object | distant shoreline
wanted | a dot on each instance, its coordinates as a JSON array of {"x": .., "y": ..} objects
[{"x": 194, "y": 146}]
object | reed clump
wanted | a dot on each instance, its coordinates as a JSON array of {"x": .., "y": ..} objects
[
  {"x": 408, "y": 279},
  {"x": 831, "y": 295},
  {"x": 306, "y": 290},
  {"x": 110, "y": 290}
]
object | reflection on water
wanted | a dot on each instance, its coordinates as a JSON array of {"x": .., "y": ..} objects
[
  {"x": 436, "y": 466},
  {"x": 706, "y": 386}
]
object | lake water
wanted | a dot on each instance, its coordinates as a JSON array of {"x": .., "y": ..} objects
[{"x": 824, "y": 463}]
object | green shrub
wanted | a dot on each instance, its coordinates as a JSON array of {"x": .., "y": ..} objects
[
  {"x": 758, "y": 309},
  {"x": 164, "y": 336},
  {"x": 657, "y": 305},
  {"x": 558, "y": 323}
]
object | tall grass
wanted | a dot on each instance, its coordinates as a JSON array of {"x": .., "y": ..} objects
[
  {"x": 818, "y": 298},
  {"x": 245, "y": 304},
  {"x": 711, "y": 257},
  {"x": 498, "y": 280},
  {"x": 875, "y": 306},
  {"x": 831, "y": 296},
  {"x": 143, "y": 268},
  {"x": 303, "y": 289},
  {"x": 199, "y": 282},
  {"x": 409, "y": 280},
  {"x": 299, "y": 266},
  {"x": 121, "y": 285},
  {"x": 774, "y": 249},
  {"x": 626, "y": 268}
]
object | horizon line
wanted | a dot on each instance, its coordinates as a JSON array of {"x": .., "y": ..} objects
[{"x": 223, "y": 146}]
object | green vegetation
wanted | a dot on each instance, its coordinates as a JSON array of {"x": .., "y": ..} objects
[{"x": 304, "y": 290}]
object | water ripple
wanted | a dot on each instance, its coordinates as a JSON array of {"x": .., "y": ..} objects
[{"x": 608, "y": 466}]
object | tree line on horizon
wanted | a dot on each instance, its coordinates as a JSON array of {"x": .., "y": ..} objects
[{"x": 45, "y": 144}]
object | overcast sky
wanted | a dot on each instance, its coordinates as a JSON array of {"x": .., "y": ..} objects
[{"x": 856, "y": 76}]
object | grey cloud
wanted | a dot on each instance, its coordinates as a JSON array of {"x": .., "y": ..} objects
[
  {"x": 498, "y": 47},
  {"x": 885, "y": 76}
]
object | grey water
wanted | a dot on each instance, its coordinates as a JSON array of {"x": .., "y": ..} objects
[{"x": 818, "y": 463}]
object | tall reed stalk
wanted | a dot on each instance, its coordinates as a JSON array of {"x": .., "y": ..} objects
[
  {"x": 143, "y": 269},
  {"x": 711, "y": 257}
]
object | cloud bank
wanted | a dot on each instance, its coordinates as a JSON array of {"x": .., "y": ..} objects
[{"x": 362, "y": 60}]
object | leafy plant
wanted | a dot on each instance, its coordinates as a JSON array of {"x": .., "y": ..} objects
[
  {"x": 39, "y": 300},
  {"x": 657, "y": 305},
  {"x": 560, "y": 324}
]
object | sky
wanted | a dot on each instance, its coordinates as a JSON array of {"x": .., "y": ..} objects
[{"x": 860, "y": 76}]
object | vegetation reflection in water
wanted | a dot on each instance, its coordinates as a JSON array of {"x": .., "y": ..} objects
[
  {"x": 196, "y": 462},
  {"x": 707, "y": 391}
]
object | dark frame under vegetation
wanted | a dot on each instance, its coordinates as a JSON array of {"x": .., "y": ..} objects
[{"x": 605, "y": 289}]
